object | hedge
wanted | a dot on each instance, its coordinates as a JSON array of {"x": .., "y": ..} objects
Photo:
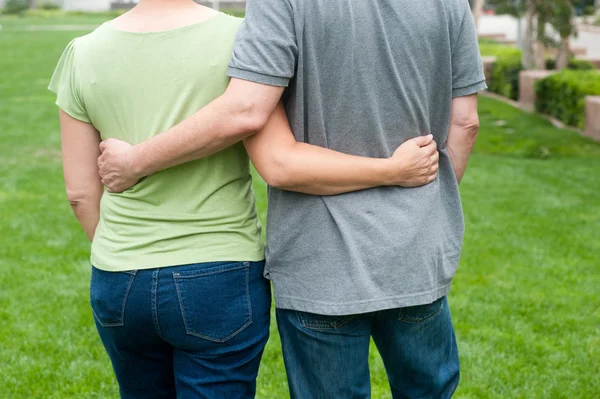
[
  {"x": 505, "y": 72},
  {"x": 574, "y": 64},
  {"x": 563, "y": 94},
  {"x": 504, "y": 79},
  {"x": 15, "y": 7}
]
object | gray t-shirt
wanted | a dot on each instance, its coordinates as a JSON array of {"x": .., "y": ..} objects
[{"x": 363, "y": 77}]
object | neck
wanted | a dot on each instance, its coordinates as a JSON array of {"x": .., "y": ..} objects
[
  {"x": 161, "y": 4},
  {"x": 161, "y": 15}
]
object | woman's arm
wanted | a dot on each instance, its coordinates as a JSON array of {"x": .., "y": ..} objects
[
  {"x": 80, "y": 150},
  {"x": 289, "y": 165}
]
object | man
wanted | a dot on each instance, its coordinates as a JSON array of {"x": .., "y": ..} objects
[{"x": 375, "y": 263}]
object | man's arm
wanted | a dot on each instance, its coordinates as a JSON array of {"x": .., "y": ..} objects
[
  {"x": 243, "y": 109},
  {"x": 289, "y": 165},
  {"x": 464, "y": 127},
  {"x": 80, "y": 142}
]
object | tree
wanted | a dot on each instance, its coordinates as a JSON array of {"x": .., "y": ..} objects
[
  {"x": 528, "y": 59},
  {"x": 559, "y": 14}
]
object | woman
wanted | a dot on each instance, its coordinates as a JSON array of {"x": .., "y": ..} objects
[{"x": 177, "y": 290}]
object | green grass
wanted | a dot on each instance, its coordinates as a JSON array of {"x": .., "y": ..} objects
[{"x": 525, "y": 300}]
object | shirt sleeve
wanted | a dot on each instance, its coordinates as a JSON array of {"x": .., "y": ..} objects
[
  {"x": 266, "y": 50},
  {"x": 467, "y": 68},
  {"x": 65, "y": 85}
]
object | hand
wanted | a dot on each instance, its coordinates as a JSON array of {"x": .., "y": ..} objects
[
  {"x": 416, "y": 162},
  {"x": 115, "y": 166}
]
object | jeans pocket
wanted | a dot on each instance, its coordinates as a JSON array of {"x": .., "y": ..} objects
[
  {"x": 322, "y": 322},
  {"x": 108, "y": 296},
  {"x": 418, "y": 314},
  {"x": 215, "y": 301}
]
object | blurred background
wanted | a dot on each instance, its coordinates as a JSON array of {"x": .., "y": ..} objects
[{"x": 526, "y": 298}]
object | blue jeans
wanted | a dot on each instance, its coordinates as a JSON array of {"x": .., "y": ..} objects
[
  {"x": 195, "y": 331},
  {"x": 326, "y": 357}
]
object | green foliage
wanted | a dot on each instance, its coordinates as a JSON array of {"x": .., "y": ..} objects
[
  {"x": 509, "y": 7},
  {"x": 15, "y": 7},
  {"x": 508, "y": 131},
  {"x": 235, "y": 13},
  {"x": 505, "y": 72},
  {"x": 562, "y": 95},
  {"x": 574, "y": 64},
  {"x": 48, "y": 5},
  {"x": 103, "y": 14}
]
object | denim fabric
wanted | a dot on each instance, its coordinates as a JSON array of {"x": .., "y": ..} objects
[
  {"x": 194, "y": 331},
  {"x": 326, "y": 357}
]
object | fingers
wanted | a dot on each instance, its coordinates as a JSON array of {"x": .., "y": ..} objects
[
  {"x": 423, "y": 141},
  {"x": 104, "y": 145}
]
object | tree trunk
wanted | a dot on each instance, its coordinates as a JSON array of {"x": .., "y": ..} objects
[
  {"x": 540, "y": 46},
  {"x": 564, "y": 51},
  {"x": 477, "y": 11},
  {"x": 540, "y": 56},
  {"x": 528, "y": 59}
]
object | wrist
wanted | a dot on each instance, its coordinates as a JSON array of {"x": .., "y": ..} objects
[
  {"x": 389, "y": 173},
  {"x": 137, "y": 165}
]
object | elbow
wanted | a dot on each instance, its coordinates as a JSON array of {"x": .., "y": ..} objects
[
  {"x": 78, "y": 198},
  {"x": 254, "y": 120},
  {"x": 474, "y": 127},
  {"x": 277, "y": 173},
  {"x": 470, "y": 126},
  {"x": 277, "y": 180},
  {"x": 251, "y": 115}
]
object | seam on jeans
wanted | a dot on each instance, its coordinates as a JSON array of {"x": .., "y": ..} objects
[
  {"x": 122, "y": 322},
  {"x": 248, "y": 301},
  {"x": 154, "y": 293},
  {"x": 202, "y": 274},
  {"x": 176, "y": 276},
  {"x": 417, "y": 320},
  {"x": 306, "y": 324}
]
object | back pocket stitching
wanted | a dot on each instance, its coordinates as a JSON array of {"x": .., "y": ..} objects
[
  {"x": 203, "y": 274},
  {"x": 321, "y": 324},
  {"x": 188, "y": 331},
  {"x": 416, "y": 320},
  {"x": 122, "y": 322}
]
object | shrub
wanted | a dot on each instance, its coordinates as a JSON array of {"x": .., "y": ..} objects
[
  {"x": 104, "y": 14},
  {"x": 15, "y": 6},
  {"x": 562, "y": 95},
  {"x": 37, "y": 13},
  {"x": 574, "y": 64},
  {"x": 48, "y": 5},
  {"x": 505, "y": 72}
]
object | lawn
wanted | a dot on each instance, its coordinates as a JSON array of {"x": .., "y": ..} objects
[{"x": 525, "y": 300}]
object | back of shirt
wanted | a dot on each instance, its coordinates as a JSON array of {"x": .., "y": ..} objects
[
  {"x": 132, "y": 86},
  {"x": 363, "y": 77}
]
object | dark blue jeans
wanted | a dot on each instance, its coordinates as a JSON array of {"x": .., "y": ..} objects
[
  {"x": 195, "y": 331},
  {"x": 326, "y": 357}
]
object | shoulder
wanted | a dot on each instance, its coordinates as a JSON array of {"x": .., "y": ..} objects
[
  {"x": 457, "y": 9},
  {"x": 229, "y": 21},
  {"x": 456, "y": 12},
  {"x": 84, "y": 43}
]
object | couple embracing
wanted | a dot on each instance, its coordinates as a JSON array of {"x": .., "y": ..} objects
[{"x": 360, "y": 115}]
